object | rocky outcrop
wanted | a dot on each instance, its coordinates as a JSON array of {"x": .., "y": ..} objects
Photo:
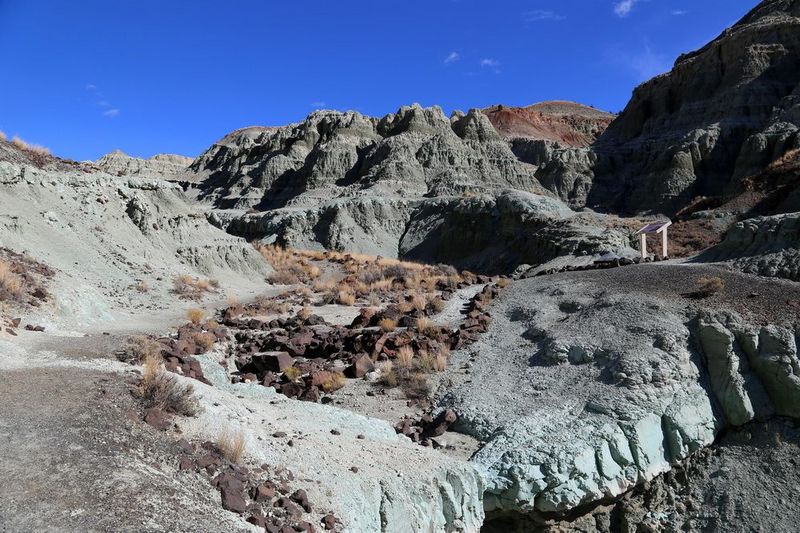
[
  {"x": 106, "y": 236},
  {"x": 486, "y": 233},
  {"x": 563, "y": 123},
  {"x": 581, "y": 391},
  {"x": 413, "y": 153},
  {"x": 721, "y": 114},
  {"x": 767, "y": 246},
  {"x": 160, "y": 166}
]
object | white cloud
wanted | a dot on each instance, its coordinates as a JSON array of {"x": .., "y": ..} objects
[
  {"x": 452, "y": 58},
  {"x": 624, "y": 7},
  {"x": 91, "y": 87},
  {"x": 318, "y": 104},
  {"x": 679, "y": 12},
  {"x": 103, "y": 103},
  {"x": 541, "y": 14},
  {"x": 489, "y": 62},
  {"x": 111, "y": 113}
]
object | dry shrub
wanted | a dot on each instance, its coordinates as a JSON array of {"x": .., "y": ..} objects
[
  {"x": 292, "y": 373},
  {"x": 290, "y": 266},
  {"x": 417, "y": 301},
  {"x": 204, "y": 340},
  {"x": 503, "y": 282},
  {"x": 304, "y": 313},
  {"x": 195, "y": 315},
  {"x": 389, "y": 379},
  {"x": 373, "y": 299},
  {"x": 324, "y": 285},
  {"x": 405, "y": 355},
  {"x": 3, "y": 136},
  {"x": 232, "y": 444},
  {"x": 388, "y": 324},
  {"x": 140, "y": 348},
  {"x": 346, "y": 297},
  {"x": 441, "y": 363},
  {"x": 438, "y": 305},
  {"x": 426, "y": 327},
  {"x": 143, "y": 286},
  {"x": 426, "y": 363},
  {"x": 10, "y": 282},
  {"x": 187, "y": 286},
  {"x": 415, "y": 387},
  {"x": 709, "y": 286},
  {"x": 163, "y": 390},
  {"x": 334, "y": 382}
]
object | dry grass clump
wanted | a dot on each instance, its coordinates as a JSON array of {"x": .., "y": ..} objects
[
  {"x": 292, "y": 373},
  {"x": 290, "y": 266},
  {"x": 346, "y": 297},
  {"x": 187, "y": 286},
  {"x": 140, "y": 348},
  {"x": 709, "y": 286},
  {"x": 204, "y": 340},
  {"x": 265, "y": 305},
  {"x": 334, "y": 382},
  {"x": 426, "y": 327},
  {"x": 232, "y": 444},
  {"x": 163, "y": 390},
  {"x": 388, "y": 324},
  {"x": 304, "y": 313},
  {"x": 437, "y": 304},
  {"x": 142, "y": 286},
  {"x": 405, "y": 356},
  {"x": 28, "y": 147},
  {"x": 416, "y": 387},
  {"x": 195, "y": 315},
  {"x": 503, "y": 283},
  {"x": 389, "y": 379},
  {"x": 10, "y": 282},
  {"x": 3, "y": 135}
]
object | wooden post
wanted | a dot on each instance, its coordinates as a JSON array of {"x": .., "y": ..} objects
[
  {"x": 644, "y": 245},
  {"x": 664, "y": 243}
]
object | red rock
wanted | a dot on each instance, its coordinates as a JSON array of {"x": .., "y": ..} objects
[
  {"x": 156, "y": 418},
  {"x": 360, "y": 367},
  {"x": 186, "y": 463},
  {"x": 292, "y": 508},
  {"x": 301, "y": 498},
  {"x": 329, "y": 521},
  {"x": 257, "y": 520},
  {"x": 265, "y": 492},
  {"x": 275, "y": 361},
  {"x": 232, "y": 500}
]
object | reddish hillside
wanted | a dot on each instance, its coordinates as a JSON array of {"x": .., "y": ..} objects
[{"x": 568, "y": 123}]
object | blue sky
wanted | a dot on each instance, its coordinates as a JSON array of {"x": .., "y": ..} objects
[{"x": 86, "y": 77}]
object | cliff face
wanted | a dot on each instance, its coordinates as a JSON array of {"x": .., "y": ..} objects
[{"x": 723, "y": 113}]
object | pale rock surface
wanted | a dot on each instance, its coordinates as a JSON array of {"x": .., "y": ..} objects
[{"x": 160, "y": 166}]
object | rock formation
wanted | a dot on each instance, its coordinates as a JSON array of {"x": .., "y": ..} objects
[
  {"x": 412, "y": 184},
  {"x": 721, "y": 114},
  {"x": 766, "y": 246},
  {"x": 586, "y": 386},
  {"x": 564, "y": 123},
  {"x": 163, "y": 166}
]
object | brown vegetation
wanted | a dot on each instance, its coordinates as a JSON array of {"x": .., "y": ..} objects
[
  {"x": 141, "y": 348},
  {"x": 10, "y": 282},
  {"x": 195, "y": 315},
  {"x": 709, "y": 286},
  {"x": 163, "y": 390},
  {"x": 232, "y": 444},
  {"x": 193, "y": 288}
]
